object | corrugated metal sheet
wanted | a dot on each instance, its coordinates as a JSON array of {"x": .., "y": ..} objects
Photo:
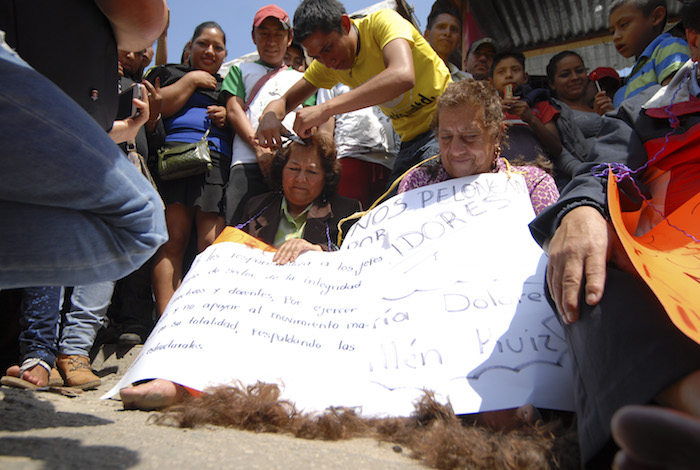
[
  {"x": 532, "y": 24},
  {"x": 545, "y": 27}
]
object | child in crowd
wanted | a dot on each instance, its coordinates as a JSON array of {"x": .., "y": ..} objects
[
  {"x": 247, "y": 89},
  {"x": 637, "y": 27},
  {"x": 532, "y": 118},
  {"x": 295, "y": 57},
  {"x": 444, "y": 32}
]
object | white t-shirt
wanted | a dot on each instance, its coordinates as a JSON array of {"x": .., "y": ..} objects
[
  {"x": 366, "y": 134},
  {"x": 246, "y": 75}
]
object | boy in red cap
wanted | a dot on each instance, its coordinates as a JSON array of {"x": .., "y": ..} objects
[{"x": 248, "y": 88}]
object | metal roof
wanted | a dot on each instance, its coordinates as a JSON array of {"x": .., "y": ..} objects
[
  {"x": 541, "y": 28},
  {"x": 532, "y": 24}
]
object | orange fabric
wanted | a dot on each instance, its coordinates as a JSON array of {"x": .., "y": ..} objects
[
  {"x": 667, "y": 259},
  {"x": 232, "y": 234}
]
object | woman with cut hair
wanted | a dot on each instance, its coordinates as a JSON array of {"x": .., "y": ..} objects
[
  {"x": 300, "y": 216},
  {"x": 304, "y": 211}
]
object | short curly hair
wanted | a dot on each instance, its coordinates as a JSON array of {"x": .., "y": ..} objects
[
  {"x": 325, "y": 148},
  {"x": 475, "y": 94}
]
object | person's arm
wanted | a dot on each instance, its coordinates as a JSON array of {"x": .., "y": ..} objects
[
  {"x": 155, "y": 104},
  {"x": 136, "y": 23},
  {"x": 543, "y": 190},
  {"x": 162, "y": 47},
  {"x": 269, "y": 126},
  {"x": 578, "y": 253},
  {"x": 602, "y": 103},
  {"x": 176, "y": 95},
  {"x": 239, "y": 121},
  {"x": 574, "y": 232},
  {"x": 397, "y": 78},
  {"x": 244, "y": 129},
  {"x": 547, "y": 134},
  {"x": 328, "y": 126},
  {"x": 322, "y": 96}
]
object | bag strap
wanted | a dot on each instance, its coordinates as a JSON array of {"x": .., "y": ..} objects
[{"x": 260, "y": 83}]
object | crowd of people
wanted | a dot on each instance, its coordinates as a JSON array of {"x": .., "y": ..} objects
[{"x": 336, "y": 112}]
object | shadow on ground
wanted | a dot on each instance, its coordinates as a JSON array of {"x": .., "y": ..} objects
[
  {"x": 20, "y": 410},
  {"x": 60, "y": 453}
]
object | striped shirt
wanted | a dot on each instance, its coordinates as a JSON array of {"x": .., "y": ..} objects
[{"x": 661, "y": 59}]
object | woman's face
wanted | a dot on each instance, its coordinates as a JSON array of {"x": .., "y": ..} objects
[
  {"x": 208, "y": 51},
  {"x": 302, "y": 177},
  {"x": 570, "y": 78},
  {"x": 466, "y": 148}
]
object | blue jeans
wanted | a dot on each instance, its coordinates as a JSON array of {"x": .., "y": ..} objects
[
  {"x": 73, "y": 209},
  {"x": 39, "y": 321},
  {"x": 86, "y": 315}
]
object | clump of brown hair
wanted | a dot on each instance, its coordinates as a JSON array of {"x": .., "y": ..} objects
[{"x": 433, "y": 433}]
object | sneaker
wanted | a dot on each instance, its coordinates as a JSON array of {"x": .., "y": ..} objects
[{"x": 76, "y": 372}]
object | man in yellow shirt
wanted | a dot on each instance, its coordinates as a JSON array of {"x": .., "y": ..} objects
[{"x": 385, "y": 61}]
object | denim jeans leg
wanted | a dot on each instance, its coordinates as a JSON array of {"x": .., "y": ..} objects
[
  {"x": 40, "y": 320},
  {"x": 74, "y": 209},
  {"x": 88, "y": 309}
]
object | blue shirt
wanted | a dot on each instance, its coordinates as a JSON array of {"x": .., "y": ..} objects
[{"x": 190, "y": 123}]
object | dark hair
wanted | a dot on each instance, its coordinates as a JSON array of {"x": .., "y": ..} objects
[
  {"x": 554, "y": 61},
  {"x": 184, "y": 55},
  {"x": 206, "y": 25},
  {"x": 438, "y": 9},
  {"x": 647, "y": 6},
  {"x": 517, "y": 55},
  {"x": 317, "y": 15},
  {"x": 324, "y": 145},
  {"x": 297, "y": 45},
  {"x": 690, "y": 12},
  {"x": 475, "y": 94}
]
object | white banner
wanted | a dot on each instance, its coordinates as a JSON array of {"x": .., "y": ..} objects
[{"x": 438, "y": 289}]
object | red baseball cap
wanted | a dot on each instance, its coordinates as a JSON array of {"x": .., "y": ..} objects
[
  {"x": 604, "y": 72},
  {"x": 273, "y": 11}
]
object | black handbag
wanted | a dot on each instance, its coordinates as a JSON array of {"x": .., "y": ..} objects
[{"x": 185, "y": 159}]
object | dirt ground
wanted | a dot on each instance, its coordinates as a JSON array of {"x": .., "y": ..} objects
[{"x": 44, "y": 430}]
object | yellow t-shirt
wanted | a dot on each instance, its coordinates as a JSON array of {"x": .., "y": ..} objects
[{"x": 412, "y": 111}]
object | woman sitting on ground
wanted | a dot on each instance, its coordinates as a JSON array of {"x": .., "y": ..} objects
[
  {"x": 301, "y": 216},
  {"x": 304, "y": 211},
  {"x": 469, "y": 127}
]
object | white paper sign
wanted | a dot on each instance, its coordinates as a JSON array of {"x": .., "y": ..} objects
[{"x": 433, "y": 290}]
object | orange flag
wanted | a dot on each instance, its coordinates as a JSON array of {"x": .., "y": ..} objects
[
  {"x": 232, "y": 234},
  {"x": 666, "y": 258}
]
